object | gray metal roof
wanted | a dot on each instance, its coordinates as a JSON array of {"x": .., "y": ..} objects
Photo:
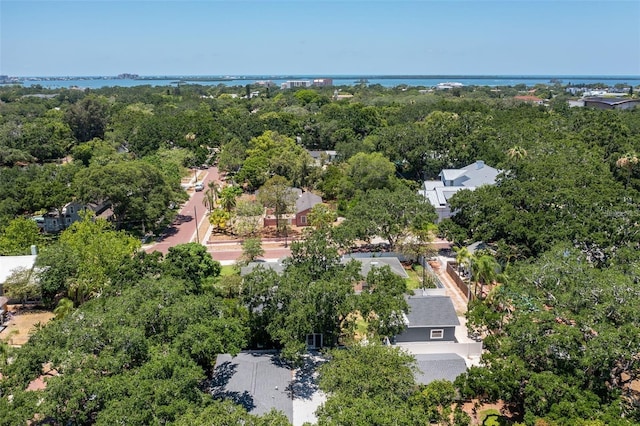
[
  {"x": 258, "y": 381},
  {"x": 278, "y": 267},
  {"x": 306, "y": 201},
  {"x": 439, "y": 367},
  {"x": 428, "y": 311},
  {"x": 369, "y": 263}
]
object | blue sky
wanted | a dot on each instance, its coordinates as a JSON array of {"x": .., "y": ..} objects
[{"x": 101, "y": 37}]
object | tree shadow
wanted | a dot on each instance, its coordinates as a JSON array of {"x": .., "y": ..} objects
[
  {"x": 305, "y": 382},
  {"x": 173, "y": 228},
  {"x": 217, "y": 386}
]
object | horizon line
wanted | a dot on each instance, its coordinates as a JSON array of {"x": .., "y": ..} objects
[{"x": 378, "y": 76}]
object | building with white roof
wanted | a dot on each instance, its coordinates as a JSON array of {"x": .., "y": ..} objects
[{"x": 439, "y": 192}]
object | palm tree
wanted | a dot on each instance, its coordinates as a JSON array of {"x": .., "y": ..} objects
[
  {"x": 211, "y": 196},
  {"x": 463, "y": 256},
  {"x": 517, "y": 153},
  {"x": 228, "y": 196},
  {"x": 628, "y": 161},
  {"x": 486, "y": 270},
  {"x": 64, "y": 308}
]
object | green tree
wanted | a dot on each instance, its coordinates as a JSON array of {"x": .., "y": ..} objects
[
  {"x": 64, "y": 308},
  {"x": 277, "y": 194},
  {"x": 251, "y": 249},
  {"x": 210, "y": 196},
  {"x": 248, "y": 217},
  {"x": 321, "y": 215},
  {"x": 139, "y": 193},
  {"x": 371, "y": 171},
  {"x": 80, "y": 265},
  {"x": 88, "y": 118},
  {"x": 19, "y": 236},
  {"x": 193, "y": 263},
  {"x": 627, "y": 162},
  {"x": 228, "y": 197},
  {"x": 368, "y": 384},
  {"x": 22, "y": 285},
  {"x": 485, "y": 271},
  {"x": 382, "y": 303},
  {"x": 389, "y": 214}
]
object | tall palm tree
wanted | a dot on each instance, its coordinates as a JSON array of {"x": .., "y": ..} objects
[
  {"x": 627, "y": 162},
  {"x": 486, "y": 270},
  {"x": 463, "y": 257},
  {"x": 211, "y": 196}
]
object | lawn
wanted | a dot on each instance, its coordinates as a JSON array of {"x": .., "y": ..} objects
[
  {"x": 228, "y": 270},
  {"x": 415, "y": 277}
]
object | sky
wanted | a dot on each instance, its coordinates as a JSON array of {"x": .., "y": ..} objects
[{"x": 304, "y": 37}]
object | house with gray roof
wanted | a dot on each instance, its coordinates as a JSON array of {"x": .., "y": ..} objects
[
  {"x": 445, "y": 366},
  {"x": 261, "y": 381},
  {"x": 439, "y": 192},
  {"x": 367, "y": 264},
  {"x": 431, "y": 318},
  {"x": 304, "y": 204}
]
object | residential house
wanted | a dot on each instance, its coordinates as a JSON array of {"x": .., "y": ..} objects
[
  {"x": 304, "y": 204},
  {"x": 445, "y": 366},
  {"x": 430, "y": 318},
  {"x": 530, "y": 99},
  {"x": 260, "y": 381},
  {"x": 321, "y": 158},
  {"x": 270, "y": 218},
  {"x": 8, "y": 264},
  {"x": 53, "y": 221},
  {"x": 439, "y": 192},
  {"x": 367, "y": 264},
  {"x": 611, "y": 103}
]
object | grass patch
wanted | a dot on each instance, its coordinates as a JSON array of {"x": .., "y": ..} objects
[
  {"x": 415, "y": 276},
  {"x": 492, "y": 417},
  {"x": 228, "y": 270}
]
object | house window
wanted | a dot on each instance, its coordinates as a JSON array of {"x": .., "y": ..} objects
[
  {"x": 303, "y": 220},
  {"x": 71, "y": 209},
  {"x": 314, "y": 341},
  {"x": 437, "y": 334}
]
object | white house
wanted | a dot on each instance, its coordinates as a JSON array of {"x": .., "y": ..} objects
[{"x": 438, "y": 192}]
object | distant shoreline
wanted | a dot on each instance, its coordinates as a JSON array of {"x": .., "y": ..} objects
[{"x": 336, "y": 76}]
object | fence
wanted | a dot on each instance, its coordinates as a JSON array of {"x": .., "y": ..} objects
[{"x": 451, "y": 270}]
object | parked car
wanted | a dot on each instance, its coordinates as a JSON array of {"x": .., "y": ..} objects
[{"x": 199, "y": 186}]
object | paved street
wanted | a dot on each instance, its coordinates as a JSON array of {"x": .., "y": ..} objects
[{"x": 183, "y": 229}]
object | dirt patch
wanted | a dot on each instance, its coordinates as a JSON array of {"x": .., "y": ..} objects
[{"x": 21, "y": 324}]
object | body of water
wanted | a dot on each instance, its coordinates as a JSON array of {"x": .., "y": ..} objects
[{"x": 386, "y": 81}]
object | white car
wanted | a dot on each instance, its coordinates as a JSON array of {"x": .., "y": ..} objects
[{"x": 199, "y": 186}]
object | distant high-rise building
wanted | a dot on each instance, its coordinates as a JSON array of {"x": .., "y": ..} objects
[
  {"x": 295, "y": 83},
  {"x": 322, "y": 82}
]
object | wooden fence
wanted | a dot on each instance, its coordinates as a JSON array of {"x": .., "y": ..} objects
[{"x": 451, "y": 270}]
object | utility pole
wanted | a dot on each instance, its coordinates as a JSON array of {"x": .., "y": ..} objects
[{"x": 195, "y": 215}]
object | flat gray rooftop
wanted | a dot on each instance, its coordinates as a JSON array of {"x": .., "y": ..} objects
[{"x": 439, "y": 367}]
